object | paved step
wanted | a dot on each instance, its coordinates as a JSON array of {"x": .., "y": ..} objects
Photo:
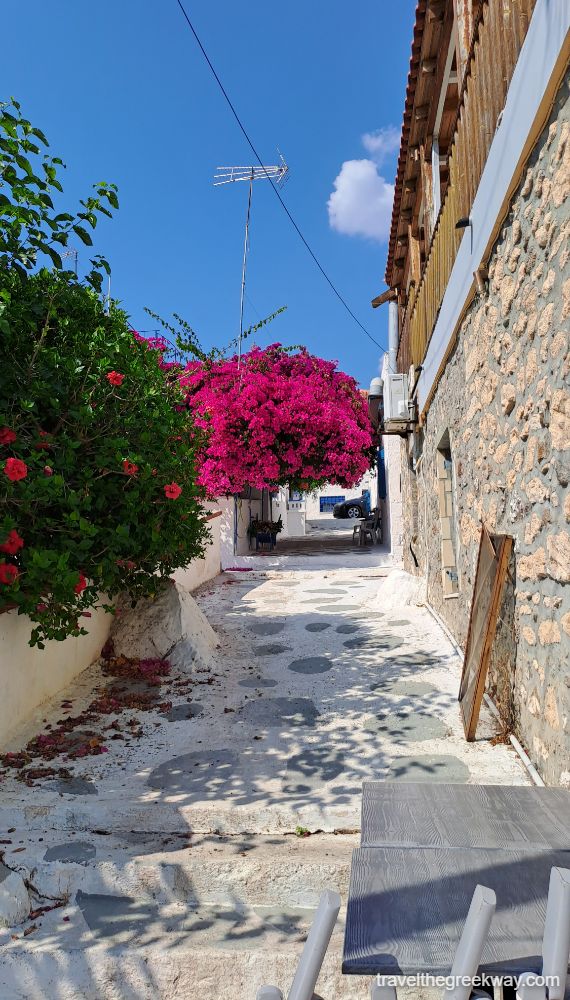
[
  {"x": 225, "y": 871},
  {"x": 113, "y": 947}
]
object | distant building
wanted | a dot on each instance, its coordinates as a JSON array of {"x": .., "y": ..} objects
[{"x": 478, "y": 393}]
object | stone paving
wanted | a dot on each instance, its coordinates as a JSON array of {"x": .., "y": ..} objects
[{"x": 178, "y": 854}]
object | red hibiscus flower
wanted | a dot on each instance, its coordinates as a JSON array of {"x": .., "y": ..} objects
[
  {"x": 115, "y": 378},
  {"x": 8, "y": 574},
  {"x": 130, "y": 467},
  {"x": 12, "y": 543},
  {"x": 7, "y": 436},
  {"x": 15, "y": 469},
  {"x": 172, "y": 491},
  {"x": 79, "y": 587}
]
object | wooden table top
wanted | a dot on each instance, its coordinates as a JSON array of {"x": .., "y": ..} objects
[
  {"x": 517, "y": 817},
  {"x": 407, "y": 907},
  {"x": 424, "y": 849}
]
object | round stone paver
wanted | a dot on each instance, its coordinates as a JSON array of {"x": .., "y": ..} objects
[
  {"x": 205, "y": 773},
  {"x": 267, "y": 628},
  {"x": 319, "y": 600},
  {"x": 338, "y": 607},
  {"x": 72, "y": 786},
  {"x": 188, "y": 710},
  {"x": 398, "y": 622},
  {"x": 316, "y": 766},
  {"x": 310, "y": 665},
  {"x": 271, "y": 649},
  {"x": 79, "y": 852},
  {"x": 329, "y": 590},
  {"x": 408, "y": 689},
  {"x": 257, "y": 682},
  {"x": 373, "y": 642},
  {"x": 404, "y": 727},
  {"x": 429, "y": 767},
  {"x": 347, "y": 628},
  {"x": 317, "y": 626},
  {"x": 280, "y": 713}
]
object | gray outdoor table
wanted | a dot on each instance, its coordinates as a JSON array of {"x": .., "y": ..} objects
[{"x": 425, "y": 848}]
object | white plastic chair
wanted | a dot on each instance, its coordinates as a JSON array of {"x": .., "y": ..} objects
[
  {"x": 555, "y": 943},
  {"x": 313, "y": 953},
  {"x": 470, "y": 948}
]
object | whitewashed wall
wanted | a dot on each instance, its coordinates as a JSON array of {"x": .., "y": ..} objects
[
  {"x": 368, "y": 482},
  {"x": 31, "y": 676}
]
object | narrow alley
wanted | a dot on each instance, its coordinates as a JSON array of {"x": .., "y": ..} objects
[{"x": 191, "y": 858}]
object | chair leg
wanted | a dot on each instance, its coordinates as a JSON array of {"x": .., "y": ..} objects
[
  {"x": 556, "y": 940},
  {"x": 268, "y": 993},
  {"x": 378, "y": 992},
  {"x": 315, "y": 947},
  {"x": 470, "y": 948}
]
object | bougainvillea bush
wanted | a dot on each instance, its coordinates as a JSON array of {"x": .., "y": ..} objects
[
  {"x": 97, "y": 449},
  {"x": 277, "y": 418}
]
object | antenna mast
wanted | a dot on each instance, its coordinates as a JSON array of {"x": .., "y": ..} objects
[{"x": 230, "y": 175}]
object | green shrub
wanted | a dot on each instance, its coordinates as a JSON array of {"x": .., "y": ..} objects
[
  {"x": 97, "y": 451},
  {"x": 88, "y": 411}
]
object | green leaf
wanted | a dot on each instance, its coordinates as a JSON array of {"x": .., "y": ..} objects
[{"x": 83, "y": 235}]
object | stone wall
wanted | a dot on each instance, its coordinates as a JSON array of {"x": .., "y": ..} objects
[{"x": 503, "y": 408}]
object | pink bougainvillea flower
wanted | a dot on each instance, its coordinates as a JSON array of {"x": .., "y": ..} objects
[
  {"x": 172, "y": 491},
  {"x": 15, "y": 469},
  {"x": 48, "y": 471},
  {"x": 12, "y": 543},
  {"x": 130, "y": 468},
  {"x": 81, "y": 585},
  {"x": 7, "y": 436},
  {"x": 115, "y": 378},
  {"x": 8, "y": 574},
  {"x": 41, "y": 607},
  {"x": 276, "y": 418}
]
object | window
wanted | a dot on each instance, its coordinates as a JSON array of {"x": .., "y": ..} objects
[{"x": 446, "y": 503}]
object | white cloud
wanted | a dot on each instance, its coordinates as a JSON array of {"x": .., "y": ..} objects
[
  {"x": 382, "y": 143},
  {"x": 361, "y": 203}
]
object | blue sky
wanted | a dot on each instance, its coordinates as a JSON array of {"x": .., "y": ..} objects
[{"x": 124, "y": 95}]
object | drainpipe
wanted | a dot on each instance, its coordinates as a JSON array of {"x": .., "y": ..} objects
[{"x": 392, "y": 336}]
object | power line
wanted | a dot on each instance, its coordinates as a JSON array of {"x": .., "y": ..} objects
[{"x": 275, "y": 189}]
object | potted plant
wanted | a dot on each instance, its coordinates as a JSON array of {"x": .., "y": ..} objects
[{"x": 265, "y": 531}]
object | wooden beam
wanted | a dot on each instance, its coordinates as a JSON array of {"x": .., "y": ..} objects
[{"x": 389, "y": 296}]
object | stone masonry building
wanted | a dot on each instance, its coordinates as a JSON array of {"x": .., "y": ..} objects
[{"x": 478, "y": 281}]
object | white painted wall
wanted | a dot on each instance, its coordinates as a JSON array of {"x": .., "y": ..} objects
[
  {"x": 30, "y": 676},
  {"x": 368, "y": 482},
  {"x": 201, "y": 570},
  {"x": 392, "y": 513}
]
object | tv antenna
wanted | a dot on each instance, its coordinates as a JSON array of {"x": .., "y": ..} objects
[{"x": 231, "y": 175}]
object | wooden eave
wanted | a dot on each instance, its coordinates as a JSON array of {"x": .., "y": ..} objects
[{"x": 431, "y": 34}]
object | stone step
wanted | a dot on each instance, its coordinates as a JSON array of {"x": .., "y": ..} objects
[
  {"x": 120, "y": 947},
  {"x": 197, "y": 870}
]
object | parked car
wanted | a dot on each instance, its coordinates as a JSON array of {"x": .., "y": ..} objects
[{"x": 353, "y": 508}]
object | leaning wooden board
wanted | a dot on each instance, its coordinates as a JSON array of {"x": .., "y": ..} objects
[
  {"x": 407, "y": 907},
  {"x": 513, "y": 818},
  {"x": 492, "y": 565}
]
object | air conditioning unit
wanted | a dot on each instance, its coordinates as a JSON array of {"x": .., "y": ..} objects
[{"x": 399, "y": 408}]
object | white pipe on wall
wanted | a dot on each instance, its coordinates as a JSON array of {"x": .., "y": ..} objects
[{"x": 392, "y": 335}]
